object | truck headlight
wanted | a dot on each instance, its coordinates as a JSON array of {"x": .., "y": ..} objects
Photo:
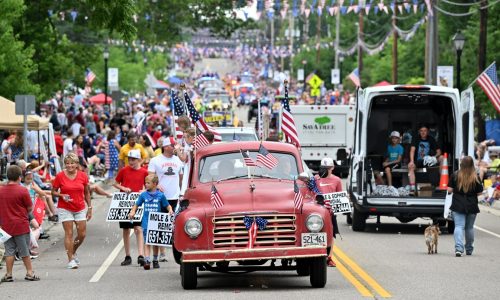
[
  {"x": 193, "y": 227},
  {"x": 314, "y": 223}
]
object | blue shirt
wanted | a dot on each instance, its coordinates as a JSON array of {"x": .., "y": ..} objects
[
  {"x": 393, "y": 152},
  {"x": 153, "y": 202}
]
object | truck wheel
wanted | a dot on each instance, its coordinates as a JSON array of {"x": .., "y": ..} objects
[
  {"x": 318, "y": 272},
  {"x": 303, "y": 268},
  {"x": 189, "y": 276},
  {"x": 348, "y": 219},
  {"x": 451, "y": 226},
  {"x": 358, "y": 220}
]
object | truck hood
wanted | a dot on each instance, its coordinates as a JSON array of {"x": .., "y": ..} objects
[{"x": 265, "y": 196}]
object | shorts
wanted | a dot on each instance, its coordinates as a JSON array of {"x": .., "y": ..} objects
[
  {"x": 393, "y": 165},
  {"x": 19, "y": 244},
  {"x": 129, "y": 225},
  {"x": 173, "y": 203},
  {"x": 66, "y": 215}
]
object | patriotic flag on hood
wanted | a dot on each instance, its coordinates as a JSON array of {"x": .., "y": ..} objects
[
  {"x": 253, "y": 224},
  {"x": 488, "y": 81},
  {"x": 198, "y": 120},
  {"x": 354, "y": 76},
  {"x": 215, "y": 198},
  {"x": 298, "y": 198},
  {"x": 265, "y": 158},
  {"x": 288, "y": 123},
  {"x": 249, "y": 162}
]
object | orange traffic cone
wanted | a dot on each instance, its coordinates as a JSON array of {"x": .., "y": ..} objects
[{"x": 443, "y": 181}]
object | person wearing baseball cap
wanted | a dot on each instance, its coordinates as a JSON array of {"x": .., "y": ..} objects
[
  {"x": 130, "y": 179},
  {"x": 131, "y": 145},
  {"x": 393, "y": 156}
]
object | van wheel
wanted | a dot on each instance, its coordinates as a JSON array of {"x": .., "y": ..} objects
[
  {"x": 358, "y": 220},
  {"x": 348, "y": 219},
  {"x": 318, "y": 272},
  {"x": 451, "y": 226},
  {"x": 189, "y": 276},
  {"x": 303, "y": 267}
]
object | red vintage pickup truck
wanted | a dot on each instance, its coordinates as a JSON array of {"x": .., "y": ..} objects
[{"x": 226, "y": 240}]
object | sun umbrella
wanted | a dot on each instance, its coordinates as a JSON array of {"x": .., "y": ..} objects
[
  {"x": 175, "y": 80},
  {"x": 99, "y": 99}
]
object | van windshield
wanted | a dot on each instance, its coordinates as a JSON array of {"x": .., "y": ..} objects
[{"x": 230, "y": 166}]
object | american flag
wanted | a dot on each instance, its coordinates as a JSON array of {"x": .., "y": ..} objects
[
  {"x": 198, "y": 120},
  {"x": 89, "y": 76},
  {"x": 150, "y": 138},
  {"x": 265, "y": 158},
  {"x": 298, "y": 198},
  {"x": 139, "y": 128},
  {"x": 236, "y": 138},
  {"x": 252, "y": 225},
  {"x": 249, "y": 162},
  {"x": 354, "y": 76},
  {"x": 488, "y": 81},
  {"x": 288, "y": 123},
  {"x": 177, "y": 110},
  {"x": 200, "y": 140},
  {"x": 215, "y": 198}
]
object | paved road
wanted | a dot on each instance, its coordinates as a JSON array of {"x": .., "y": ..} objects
[{"x": 388, "y": 260}]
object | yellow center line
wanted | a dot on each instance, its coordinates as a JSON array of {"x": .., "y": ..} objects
[
  {"x": 348, "y": 275},
  {"x": 359, "y": 271}
]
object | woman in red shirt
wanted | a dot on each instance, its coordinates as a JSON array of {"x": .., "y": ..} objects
[{"x": 74, "y": 205}]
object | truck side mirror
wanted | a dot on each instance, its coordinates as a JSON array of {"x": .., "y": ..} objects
[
  {"x": 320, "y": 199},
  {"x": 184, "y": 204}
]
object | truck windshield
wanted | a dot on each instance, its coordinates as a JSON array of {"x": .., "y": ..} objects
[{"x": 229, "y": 166}]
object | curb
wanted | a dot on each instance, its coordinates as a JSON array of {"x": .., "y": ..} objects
[{"x": 494, "y": 210}]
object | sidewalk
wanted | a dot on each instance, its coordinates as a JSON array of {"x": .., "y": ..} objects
[{"x": 493, "y": 209}]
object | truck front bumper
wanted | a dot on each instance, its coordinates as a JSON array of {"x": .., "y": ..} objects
[{"x": 252, "y": 254}]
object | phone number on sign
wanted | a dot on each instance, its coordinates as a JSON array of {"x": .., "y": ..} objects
[
  {"x": 159, "y": 237},
  {"x": 122, "y": 214}
]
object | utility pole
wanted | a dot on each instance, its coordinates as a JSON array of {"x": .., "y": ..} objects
[
  {"x": 291, "y": 31},
  {"x": 360, "y": 40},
  {"x": 318, "y": 38},
  {"x": 337, "y": 41},
  {"x": 431, "y": 48},
  {"x": 394, "y": 49},
  {"x": 481, "y": 65}
]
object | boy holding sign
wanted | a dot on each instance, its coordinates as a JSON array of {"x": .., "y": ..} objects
[
  {"x": 130, "y": 179},
  {"x": 154, "y": 200}
]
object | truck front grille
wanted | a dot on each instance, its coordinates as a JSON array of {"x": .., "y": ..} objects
[{"x": 230, "y": 231}]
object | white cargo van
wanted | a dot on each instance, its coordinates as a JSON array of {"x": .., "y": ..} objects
[
  {"x": 325, "y": 130},
  {"x": 379, "y": 111}
]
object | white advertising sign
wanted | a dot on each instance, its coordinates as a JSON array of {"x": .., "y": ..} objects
[
  {"x": 300, "y": 74},
  {"x": 120, "y": 207},
  {"x": 339, "y": 202},
  {"x": 160, "y": 229},
  {"x": 335, "y": 76},
  {"x": 113, "y": 77},
  {"x": 445, "y": 76}
]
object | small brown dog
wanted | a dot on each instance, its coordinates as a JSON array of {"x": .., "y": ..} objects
[{"x": 431, "y": 236}]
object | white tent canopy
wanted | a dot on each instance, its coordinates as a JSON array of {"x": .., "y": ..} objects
[{"x": 9, "y": 119}]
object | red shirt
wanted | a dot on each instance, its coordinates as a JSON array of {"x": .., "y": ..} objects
[
  {"x": 15, "y": 203},
  {"x": 59, "y": 144},
  {"x": 74, "y": 188},
  {"x": 329, "y": 185},
  {"x": 132, "y": 178}
]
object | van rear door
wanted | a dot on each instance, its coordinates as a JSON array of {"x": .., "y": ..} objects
[{"x": 467, "y": 118}]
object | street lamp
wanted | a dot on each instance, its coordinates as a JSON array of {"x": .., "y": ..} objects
[
  {"x": 105, "y": 55},
  {"x": 458, "y": 41}
]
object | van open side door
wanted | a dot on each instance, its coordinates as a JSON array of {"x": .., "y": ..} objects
[
  {"x": 467, "y": 115},
  {"x": 357, "y": 172}
]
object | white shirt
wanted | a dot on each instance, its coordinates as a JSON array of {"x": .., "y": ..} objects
[
  {"x": 138, "y": 117},
  {"x": 187, "y": 165},
  {"x": 67, "y": 146},
  {"x": 75, "y": 128},
  {"x": 167, "y": 170}
]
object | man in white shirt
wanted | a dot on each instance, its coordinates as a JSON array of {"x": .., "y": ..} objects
[
  {"x": 75, "y": 128},
  {"x": 68, "y": 143},
  {"x": 139, "y": 114},
  {"x": 169, "y": 169}
]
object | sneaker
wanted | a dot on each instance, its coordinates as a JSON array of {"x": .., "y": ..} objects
[
  {"x": 458, "y": 254},
  {"x": 147, "y": 265},
  {"x": 468, "y": 252},
  {"x": 140, "y": 260},
  {"x": 330, "y": 262},
  {"x": 156, "y": 264},
  {"x": 76, "y": 259},
  {"x": 54, "y": 218},
  {"x": 163, "y": 258},
  {"x": 44, "y": 236},
  {"x": 72, "y": 265},
  {"x": 17, "y": 257},
  {"x": 33, "y": 254},
  {"x": 127, "y": 261}
]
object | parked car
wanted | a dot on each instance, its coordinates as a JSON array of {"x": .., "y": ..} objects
[{"x": 208, "y": 239}]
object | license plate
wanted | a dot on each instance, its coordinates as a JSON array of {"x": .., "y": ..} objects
[{"x": 314, "y": 239}]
